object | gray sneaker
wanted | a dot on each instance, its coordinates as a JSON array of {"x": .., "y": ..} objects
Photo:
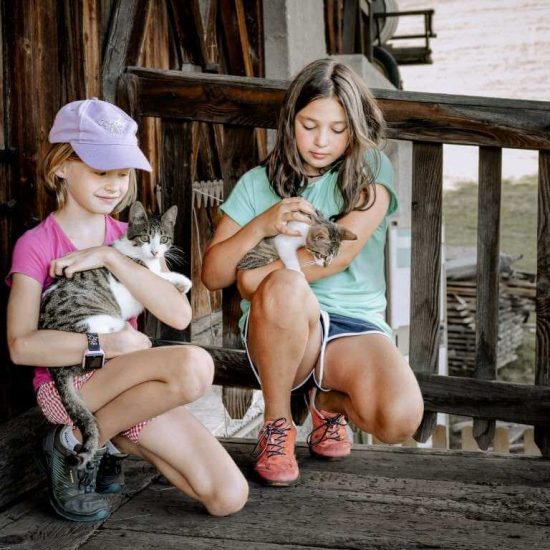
[
  {"x": 110, "y": 477},
  {"x": 72, "y": 490}
]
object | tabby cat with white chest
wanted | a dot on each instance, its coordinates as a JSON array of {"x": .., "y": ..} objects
[
  {"x": 96, "y": 301},
  {"x": 322, "y": 238}
]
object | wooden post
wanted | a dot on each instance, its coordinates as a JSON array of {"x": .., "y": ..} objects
[
  {"x": 502, "y": 440},
  {"x": 468, "y": 442},
  {"x": 240, "y": 153},
  {"x": 490, "y": 169},
  {"x": 124, "y": 41},
  {"x": 236, "y": 156},
  {"x": 440, "y": 437},
  {"x": 542, "y": 353},
  {"x": 426, "y": 266},
  {"x": 177, "y": 189}
]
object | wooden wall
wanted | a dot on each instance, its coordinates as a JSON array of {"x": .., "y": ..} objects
[{"x": 55, "y": 51}]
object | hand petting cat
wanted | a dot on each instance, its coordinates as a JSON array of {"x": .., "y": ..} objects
[
  {"x": 274, "y": 221},
  {"x": 83, "y": 260}
]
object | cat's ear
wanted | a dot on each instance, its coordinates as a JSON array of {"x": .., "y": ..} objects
[
  {"x": 346, "y": 234},
  {"x": 320, "y": 233},
  {"x": 137, "y": 214},
  {"x": 169, "y": 217}
]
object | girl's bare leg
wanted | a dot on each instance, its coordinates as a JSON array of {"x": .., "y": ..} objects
[
  {"x": 194, "y": 461},
  {"x": 374, "y": 386},
  {"x": 137, "y": 386},
  {"x": 284, "y": 337}
]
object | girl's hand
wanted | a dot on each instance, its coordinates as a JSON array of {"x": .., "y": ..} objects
[
  {"x": 81, "y": 260},
  {"x": 126, "y": 340},
  {"x": 275, "y": 219}
]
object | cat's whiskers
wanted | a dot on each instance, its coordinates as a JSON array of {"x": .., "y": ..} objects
[{"x": 175, "y": 255}]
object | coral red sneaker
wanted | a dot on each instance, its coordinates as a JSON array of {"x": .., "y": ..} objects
[
  {"x": 329, "y": 438},
  {"x": 275, "y": 460}
]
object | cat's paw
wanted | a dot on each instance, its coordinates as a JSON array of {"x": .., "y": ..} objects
[
  {"x": 184, "y": 286},
  {"x": 181, "y": 282}
]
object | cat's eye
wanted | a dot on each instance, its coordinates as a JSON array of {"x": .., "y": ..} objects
[
  {"x": 164, "y": 240},
  {"x": 144, "y": 238}
]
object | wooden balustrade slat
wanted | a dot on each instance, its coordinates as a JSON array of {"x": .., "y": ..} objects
[
  {"x": 542, "y": 353},
  {"x": 427, "y": 191},
  {"x": 490, "y": 171},
  {"x": 412, "y": 116}
]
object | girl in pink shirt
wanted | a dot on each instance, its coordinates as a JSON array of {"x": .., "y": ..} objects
[{"x": 138, "y": 396}]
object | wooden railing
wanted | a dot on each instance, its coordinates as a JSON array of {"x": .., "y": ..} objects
[{"x": 429, "y": 121}]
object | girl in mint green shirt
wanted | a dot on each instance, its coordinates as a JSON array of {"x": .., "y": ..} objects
[{"x": 325, "y": 331}]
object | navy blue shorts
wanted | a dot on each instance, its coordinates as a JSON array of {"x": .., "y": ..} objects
[{"x": 333, "y": 326}]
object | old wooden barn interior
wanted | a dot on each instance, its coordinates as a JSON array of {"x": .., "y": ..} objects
[{"x": 192, "y": 72}]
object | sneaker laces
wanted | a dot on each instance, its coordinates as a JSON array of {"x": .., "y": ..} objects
[
  {"x": 272, "y": 439},
  {"x": 331, "y": 426},
  {"x": 86, "y": 479}
]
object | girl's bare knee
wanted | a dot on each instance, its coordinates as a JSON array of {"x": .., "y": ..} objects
[
  {"x": 190, "y": 373},
  {"x": 283, "y": 294},
  {"x": 228, "y": 499},
  {"x": 397, "y": 422}
]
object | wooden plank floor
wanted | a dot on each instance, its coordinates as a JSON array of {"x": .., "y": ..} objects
[{"x": 381, "y": 497}]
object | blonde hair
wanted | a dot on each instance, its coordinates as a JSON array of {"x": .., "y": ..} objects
[{"x": 59, "y": 153}]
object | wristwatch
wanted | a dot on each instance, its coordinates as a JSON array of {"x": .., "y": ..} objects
[{"x": 94, "y": 356}]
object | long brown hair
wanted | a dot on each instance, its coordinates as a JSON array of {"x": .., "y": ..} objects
[{"x": 326, "y": 78}]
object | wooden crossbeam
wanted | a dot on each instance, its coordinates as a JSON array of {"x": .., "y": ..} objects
[
  {"x": 411, "y": 116},
  {"x": 520, "y": 403}
]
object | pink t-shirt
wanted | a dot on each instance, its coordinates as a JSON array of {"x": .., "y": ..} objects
[{"x": 34, "y": 251}]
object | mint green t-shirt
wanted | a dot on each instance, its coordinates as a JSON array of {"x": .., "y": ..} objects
[{"x": 360, "y": 290}]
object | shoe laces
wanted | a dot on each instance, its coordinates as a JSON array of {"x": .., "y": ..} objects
[
  {"x": 86, "y": 478},
  {"x": 272, "y": 439},
  {"x": 331, "y": 427}
]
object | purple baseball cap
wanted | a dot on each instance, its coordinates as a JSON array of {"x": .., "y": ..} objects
[{"x": 101, "y": 134}]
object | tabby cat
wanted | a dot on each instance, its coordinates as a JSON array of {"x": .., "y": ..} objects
[
  {"x": 96, "y": 301},
  {"x": 322, "y": 238}
]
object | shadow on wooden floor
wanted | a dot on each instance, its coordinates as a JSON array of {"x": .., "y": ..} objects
[{"x": 381, "y": 497}]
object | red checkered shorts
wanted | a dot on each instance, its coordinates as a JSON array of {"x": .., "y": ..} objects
[{"x": 49, "y": 401}]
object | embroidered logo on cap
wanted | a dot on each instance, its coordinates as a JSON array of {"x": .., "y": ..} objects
[{"x": 115, "y": 126}]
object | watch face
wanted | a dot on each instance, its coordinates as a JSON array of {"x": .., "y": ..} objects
[{"x": 93, "y": 360}]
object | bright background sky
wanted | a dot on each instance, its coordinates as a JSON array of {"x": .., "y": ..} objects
[{"x": 497, "y": 48}]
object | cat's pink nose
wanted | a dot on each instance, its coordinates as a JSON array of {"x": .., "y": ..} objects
[{"x": 154, "y": 252}]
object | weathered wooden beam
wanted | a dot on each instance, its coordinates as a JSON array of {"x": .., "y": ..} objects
[
  {"x": 177, "y": 189},
  {"x": 490, "y": 171},
  {"x": 237, "y": 157},
  {"x": 520, "y": 403},
  {"x": 188, "y": 30},
  {"x": 124, "y": 41},
  {"x": 542, "y": 348},
  {"x": 72, "y": 51},
  {"x": 427, "y": 192},
  {"x": 418, "y": 116}
]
